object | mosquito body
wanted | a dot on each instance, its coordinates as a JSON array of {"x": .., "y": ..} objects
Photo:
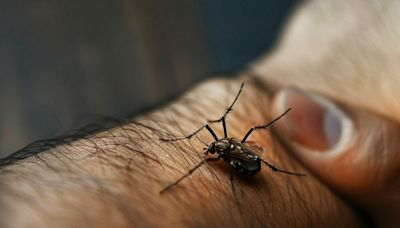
[{"x": 241, "y": 155}]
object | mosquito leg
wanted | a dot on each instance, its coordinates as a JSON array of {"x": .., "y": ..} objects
[
  {"x": 227, "y": 111},
  {"x": 193, "y": 134},
  {"x": 282, "y": 171},
  {"x": 263, "y": 126},
  {"x": 188, "y": 174}
]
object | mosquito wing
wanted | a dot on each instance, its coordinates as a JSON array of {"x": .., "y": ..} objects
[{"x": 254, "y": 147}]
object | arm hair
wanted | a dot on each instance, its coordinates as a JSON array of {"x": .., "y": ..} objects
[{"x": 113, "y": 177}]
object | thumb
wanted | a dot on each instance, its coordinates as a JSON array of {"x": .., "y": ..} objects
[{"x": 355, "y": 152}]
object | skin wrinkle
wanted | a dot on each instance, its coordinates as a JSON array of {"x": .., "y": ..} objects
[{"x": 114, "y": 176}]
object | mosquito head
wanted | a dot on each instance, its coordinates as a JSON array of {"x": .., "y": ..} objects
[
  {"x": 221, "y": 147},
  {"x": 212, "y": 149}
]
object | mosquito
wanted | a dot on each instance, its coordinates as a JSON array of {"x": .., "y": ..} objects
[{"x": 241, "y": 155}]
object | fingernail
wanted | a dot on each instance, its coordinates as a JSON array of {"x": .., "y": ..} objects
[{"x": 314, "y": 122}]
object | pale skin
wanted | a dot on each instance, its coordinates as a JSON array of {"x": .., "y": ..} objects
[{"x": 114, "y": 177}]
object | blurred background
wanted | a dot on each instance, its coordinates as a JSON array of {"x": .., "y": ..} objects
[{"x": 66, "y": 63}]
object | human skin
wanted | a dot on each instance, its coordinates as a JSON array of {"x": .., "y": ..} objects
[
  {"x": 348, "y": 51},
  {"x": 344, "y": 49},
  {"x": 114, "y": 177}
]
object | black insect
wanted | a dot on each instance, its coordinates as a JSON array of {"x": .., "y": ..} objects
[{"x": 241, "y": 155}]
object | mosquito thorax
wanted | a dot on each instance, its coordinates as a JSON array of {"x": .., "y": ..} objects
[{"x": 222, "y": 147}]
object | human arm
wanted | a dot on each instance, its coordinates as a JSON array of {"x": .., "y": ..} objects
[{"x": 113, "y": 177}]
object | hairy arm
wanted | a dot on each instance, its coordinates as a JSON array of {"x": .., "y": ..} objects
[{"x": 113, "y": 177}]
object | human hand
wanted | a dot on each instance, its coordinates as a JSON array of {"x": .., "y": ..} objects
[
  {"x": 355, "y": 152},
  {"x": 347, "y": 51}
]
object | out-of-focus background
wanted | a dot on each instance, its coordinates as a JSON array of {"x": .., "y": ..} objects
[{"x": 66, "y": 63}]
